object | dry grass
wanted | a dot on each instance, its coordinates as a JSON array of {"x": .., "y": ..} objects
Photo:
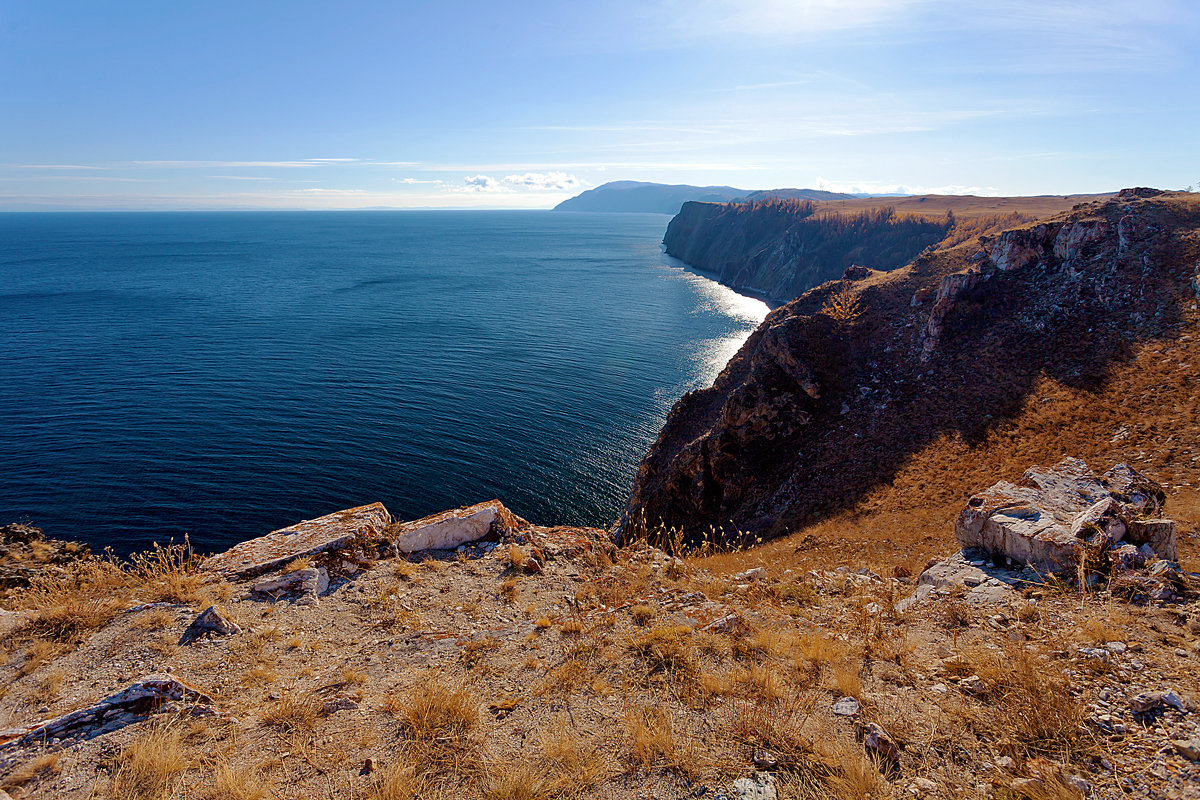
[
  {"x": 654, "y": 743},
  {"x": 237, "y": 783},
  {"x": 1032, "y": 704},
  {"x": 438, "y": 710},
  {"x": 294, "y": 713},
  {"x": 149, "y": 768},
  {"x": 643, "y": 613},
  {"x": 39, "y": 769}
]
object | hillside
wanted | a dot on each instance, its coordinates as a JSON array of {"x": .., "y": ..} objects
[
  {"x": 779, "y": 247},
  {"x": 658, "y": 198},
  {"x": 882, "y": 399},
  {"x": 533, "y": 663}
]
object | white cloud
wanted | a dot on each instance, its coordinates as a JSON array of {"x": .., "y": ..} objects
[
  {"x": 412, "y": 181},
  {"x": 876, "y": 187},
  {"x": 545, "y": 181},
  {"x": 484, "y": 183}
]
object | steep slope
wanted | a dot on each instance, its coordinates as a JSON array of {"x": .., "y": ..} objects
[
  {"x": 779, "y": 246},
  {"x": 659, "y": 198},
  {"x": 838, "y": 393}
]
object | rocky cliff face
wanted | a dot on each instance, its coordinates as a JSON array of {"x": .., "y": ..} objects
[
  {"x": 779, "y": 249},
  {"x": 839, "y": 387}
]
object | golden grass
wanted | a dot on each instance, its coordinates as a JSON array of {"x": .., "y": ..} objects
[
  {"x": 237, "y": 783},
  {"x": 654, "y": 742},
  {"x": 150, "y": 767},
  {"x": 294, "y": 713},
  {"x": 437, "y": 709},
  {"x": 1033, "y": 703}
]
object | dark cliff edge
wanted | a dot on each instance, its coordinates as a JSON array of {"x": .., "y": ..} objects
[
  {"x": 835, "y": 390},
  {"x": 780, "y": 248}
]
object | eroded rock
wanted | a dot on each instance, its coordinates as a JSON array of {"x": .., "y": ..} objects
[
  {"x": 212, "y": 620},
  {"x": 1055, "y": 516},
  {"x": 128, "y": 705},
  {"x": 449, "y": 529},
  {"x": 307, "y": 538}
]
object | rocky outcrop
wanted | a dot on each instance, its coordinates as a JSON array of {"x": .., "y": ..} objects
[
  {"x": 131, "y": 704},
  {"x": 26, "y": 553},
  {"x": 449, "y": 529},
  {"x": 1054, "y": 519},
  {"x": 333, "y": 531},
  {"x": 820, "y": 406}
]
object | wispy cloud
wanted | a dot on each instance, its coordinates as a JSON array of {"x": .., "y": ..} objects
[
  {"x": 545, "y": 181},
  {"x": 308, "y": 162},
  {"x": 56, "y": 166},
  {"x": 414, "y": 181},
  {"x": 879, "y": 187}
]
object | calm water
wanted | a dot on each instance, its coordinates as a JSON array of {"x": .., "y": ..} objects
[{"x": 224, "y": 375}]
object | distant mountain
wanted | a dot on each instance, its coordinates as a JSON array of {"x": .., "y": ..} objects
[{"x": 661, "y": 198}]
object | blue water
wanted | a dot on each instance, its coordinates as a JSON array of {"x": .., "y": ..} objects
[{"x": 227, "y": 374}]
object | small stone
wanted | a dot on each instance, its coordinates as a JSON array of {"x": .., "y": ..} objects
[
  {"x": 760, "y": 787},
  {"x": 764, "y": 759},
  {"x": 1077, "y": 783},
  {"x": 973, "y": 684},
  {"x": 939, "y": 688},
  {"x": 1189, "y": 749},
  {"x": 877, "y": 742},
  {"x": 1005, "y": 763},
  {"x": 1145, "y": 702},
  {"x": 1180, "y": 652},
  {"x": 922, "y": 787},
  {"x": 211, "y": 619},
  {"x": 368, "y": 766},
  {"x": 1173, "y": 700},
  {"x": 1116, "y": 648},
  {"x": 846, "y": 707},
  {"x": 755, "y": 574}
]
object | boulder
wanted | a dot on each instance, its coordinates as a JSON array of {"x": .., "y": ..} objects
[
  {"x": 1054, "y": 515},
  {"x": 449, "y": 529},
  {"x": 131, "y": 703},
  {"x": 330, "y": 532}
]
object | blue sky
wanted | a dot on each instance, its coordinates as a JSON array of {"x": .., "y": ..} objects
[{"x": 483, "y": 104}]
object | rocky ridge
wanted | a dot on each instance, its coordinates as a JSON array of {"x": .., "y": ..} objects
[{"x": 837, "y": 389}]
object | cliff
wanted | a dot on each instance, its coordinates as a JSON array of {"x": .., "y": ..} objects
[
  {"x": 830, "y": 402},
  {"x": 779, "y": 246}
]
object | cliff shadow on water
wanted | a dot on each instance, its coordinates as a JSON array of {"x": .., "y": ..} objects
[{"x": 837, "y": 390}]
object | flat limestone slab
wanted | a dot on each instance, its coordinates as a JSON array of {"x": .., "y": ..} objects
[
  {"x": 306, "y": 538},
  {"x": 449, "y": 529}
]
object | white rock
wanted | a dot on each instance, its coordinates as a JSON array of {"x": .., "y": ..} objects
[
  {"x": 846, "y": 707},
  {"x": 447, "y": 533},
  {"x": 760, "y": 787}
]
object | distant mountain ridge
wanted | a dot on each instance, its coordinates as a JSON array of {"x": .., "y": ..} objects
[{"x": 661, "y": 198}]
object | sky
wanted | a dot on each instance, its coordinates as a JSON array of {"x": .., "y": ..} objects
[{"x": 413, "y": 104}]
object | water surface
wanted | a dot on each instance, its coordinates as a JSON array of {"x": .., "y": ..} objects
[{"x": 226, "y": 374}]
